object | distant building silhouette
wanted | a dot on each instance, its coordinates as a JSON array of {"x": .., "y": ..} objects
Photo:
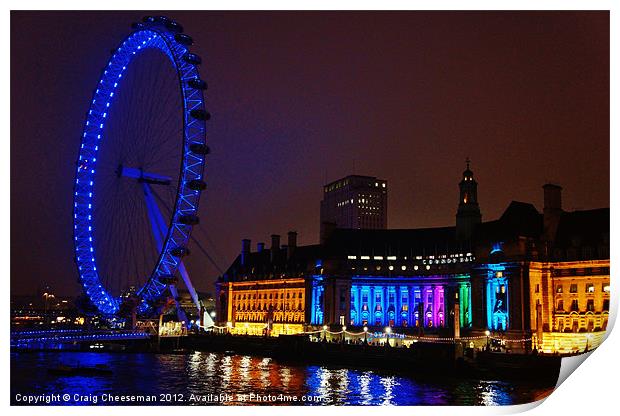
[{"x": 357, "y": 202}]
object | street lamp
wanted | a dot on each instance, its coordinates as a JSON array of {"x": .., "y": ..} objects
[
  {"x": 47, "y": 297},
  {"x": 487, "y": 333},
  {"x": 365, "y": 334},
  {"x": 387, "y": 336},
  {"x": 228, "y": 326},
  {"x": 324, "y": 332},
  {"x": 344, "y": 329}
]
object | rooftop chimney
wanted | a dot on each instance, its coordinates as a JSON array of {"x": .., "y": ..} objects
[
  {"x": 553, "y": 196},
  {"x": 260, "y": 247},
  {"x": 292, "y": 244},
  {"x": 552, "y": 210},
  {"x": 275, "y": 246},
  {"x": 245, "y": 250}
]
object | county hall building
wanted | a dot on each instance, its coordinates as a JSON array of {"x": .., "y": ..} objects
[{"x": 543, "y": 277}]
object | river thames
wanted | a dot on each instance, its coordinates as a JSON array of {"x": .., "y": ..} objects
[{"x": 204, "y": 378}]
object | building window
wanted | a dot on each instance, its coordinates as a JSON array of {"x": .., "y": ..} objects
[
  {"x": 537, "y": 288},
  {"x": 574, "y": 305},
  {"x": 590, "y": 305},
  {"x": 573, "y": 288},
  {"x": 589, "y": 288},
  {"x": 606, "y": 304},
  {"x": 606, "y": 287},
  {"x": 560, "y": 305},
  {"x": 559, "y": 289}
]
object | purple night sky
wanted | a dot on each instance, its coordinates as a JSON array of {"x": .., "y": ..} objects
[{"x": 300, "y": 99}]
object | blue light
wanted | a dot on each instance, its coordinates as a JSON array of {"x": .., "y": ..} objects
[{"x": 497, "y": 247}]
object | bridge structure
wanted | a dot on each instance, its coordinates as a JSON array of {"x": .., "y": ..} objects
[{"x": 63, "y": 336}]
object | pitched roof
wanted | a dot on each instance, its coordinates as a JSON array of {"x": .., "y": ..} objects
[
  {"x": 583, "y": 228},
  {"x": 520, "y": 219}
]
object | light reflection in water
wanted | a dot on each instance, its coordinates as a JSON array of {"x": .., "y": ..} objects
[
  {"x": 364, "y": 382},
  {"x": 285, "y": 376},
  {"x": 204, "y": 373},
  {"x": 388, "y": 383},
  {"x": 244, "y": 371},
  {"x": 263, "y": 368}
]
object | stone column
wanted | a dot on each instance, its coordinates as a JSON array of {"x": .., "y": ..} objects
[
  {"x": 457, "y": 316},
  {"x": 371, "y": 307}
]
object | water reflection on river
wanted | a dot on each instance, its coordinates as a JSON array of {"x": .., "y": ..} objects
[{"x": 244, "y": 378}]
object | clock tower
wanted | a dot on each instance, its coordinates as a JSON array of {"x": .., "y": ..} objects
[{"x": 468, "y": 214}]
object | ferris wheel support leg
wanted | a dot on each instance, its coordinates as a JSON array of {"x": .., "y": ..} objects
[
  {"x": 160, "y": 226},
  {"x": 189, "y": 286},
  {"x": 158, "y": 234}
]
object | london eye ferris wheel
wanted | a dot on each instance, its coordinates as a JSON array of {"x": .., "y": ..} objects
[{"x": 139, "y": 173}]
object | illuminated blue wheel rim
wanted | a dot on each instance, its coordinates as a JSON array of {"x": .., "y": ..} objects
[{"x": 164, "y": 35}]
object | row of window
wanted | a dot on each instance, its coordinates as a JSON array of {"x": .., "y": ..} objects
[
  {"x": 574, "y": 307},
  {"x": 265, "y": 307},
  {"x": 582, "y": 253},
  {"x": 582, "y": 271},
  {"x": 574, "y": 325},
  {"x": 257, "y": 317},
  {"x": 573, "y": 288},
  {"x": 272, "y": 295},
  {"x": 430, "y": 259}
]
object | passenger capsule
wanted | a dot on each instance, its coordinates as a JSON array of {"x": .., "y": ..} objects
[
  {"x": 184, "y": 39},
  {"x": 148, "y": 19},
  {"x": 173, "y": 26},
  {"x": 137, "y": 25},
  {"x": 197, "y": 84},
  {"x": 199, "y": 148},
  {"x": 168, "y": 279},
  {"x": 162, "y": 19},
  {"x": 179, "y": 251},
  {"x": 192, "y": 58},
  {"x": 196, "y": 184},
  {"x": 199, "y": 114},
  {"x": 189, "y": 219}
]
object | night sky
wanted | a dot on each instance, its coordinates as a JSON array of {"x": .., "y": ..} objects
[{"x": 301, "y": 99}]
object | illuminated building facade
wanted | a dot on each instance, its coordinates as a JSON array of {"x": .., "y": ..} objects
[
  {"x": 265, "y": 292},
  {"x": 545, "y": 277},
  {"x": 570, "y": 288},
  {"x": 536, "y": 280},
  {"x": 395, "y": 278}
]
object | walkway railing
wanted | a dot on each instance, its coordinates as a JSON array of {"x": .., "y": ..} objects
[{"x": 76, "y": 335}]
